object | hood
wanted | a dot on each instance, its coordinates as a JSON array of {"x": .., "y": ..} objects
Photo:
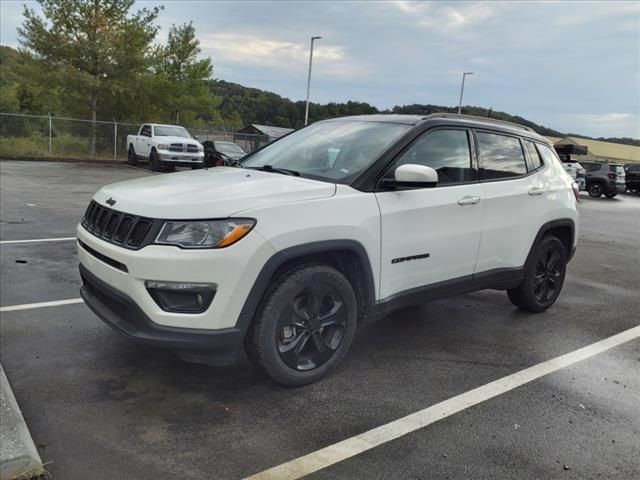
[
  {"x": 211, "y": 193},
  {"x": 177, "y": 140}
]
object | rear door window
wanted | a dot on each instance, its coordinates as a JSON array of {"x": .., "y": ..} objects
[
  {"x": 534, "y": 162},
  {"x": 501, "y": 156}
]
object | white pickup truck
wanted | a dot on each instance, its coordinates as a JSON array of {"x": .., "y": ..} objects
[{"x": 165, "y": 146}]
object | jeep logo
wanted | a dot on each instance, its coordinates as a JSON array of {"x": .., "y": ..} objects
[{"x": 111, "y": 201}]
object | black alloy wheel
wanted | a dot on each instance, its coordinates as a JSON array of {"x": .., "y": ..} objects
[
  {"x": 543, "y": 278},
  {"x": 548, "y": 276},
  {"x": 304, "y": 325},
  {"x": 595, "y": 190},
  {"x": 311, "y": 329}
]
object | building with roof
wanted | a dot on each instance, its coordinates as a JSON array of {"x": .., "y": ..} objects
[
  {"x": 271, "y": 132},
  {"x": 600, "y": 151}
]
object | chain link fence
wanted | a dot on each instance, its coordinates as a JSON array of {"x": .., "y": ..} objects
[{"x": 35, "y": 136}]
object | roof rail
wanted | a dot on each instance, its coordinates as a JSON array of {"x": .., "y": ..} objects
[{"x": 483, "y": 119}]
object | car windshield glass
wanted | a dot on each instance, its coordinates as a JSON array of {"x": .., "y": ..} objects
[
  {"x": 171, "y": 132},
  {"x": 330, "y": 151},
  {"x": 228, "y": 147}
]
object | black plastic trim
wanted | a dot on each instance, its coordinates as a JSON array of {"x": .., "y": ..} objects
[
  {"x": 120, "y": 312},
  {"x": 109, "y": 261},
  {"x": 272, "y": 265},
  {"x": 562, "y": 222}
]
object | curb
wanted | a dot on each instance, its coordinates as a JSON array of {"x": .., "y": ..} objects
[
  {"x": 66, "y": 160},
  {"x": 19, "y": 458}
]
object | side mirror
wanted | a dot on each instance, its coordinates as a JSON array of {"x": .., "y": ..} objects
[{"x": 412, "y": 175}]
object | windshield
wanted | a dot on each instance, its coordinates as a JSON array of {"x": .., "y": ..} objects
[
  {"x": 333, "y": 151},
  {"x": 171, "y": 132},
  {"x": 228, "y": 147}
]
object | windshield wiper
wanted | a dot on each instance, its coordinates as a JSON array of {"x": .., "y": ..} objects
[{"x": 269, "y": 168}]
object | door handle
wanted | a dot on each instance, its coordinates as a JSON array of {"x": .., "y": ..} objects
[
  {"x": 537, "y": 190},
  {"x": 468, "y": 200}
]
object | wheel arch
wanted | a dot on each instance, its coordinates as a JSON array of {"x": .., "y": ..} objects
[
  {"x": 564, "y": 229},
  {"x": 347, "y": 256}
]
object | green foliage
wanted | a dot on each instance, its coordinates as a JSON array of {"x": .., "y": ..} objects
[
  {"x": 94, "y": 50},
  {"x": 182, "y": 78}
]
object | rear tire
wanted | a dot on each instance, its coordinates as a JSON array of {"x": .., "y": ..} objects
[
  {"x": 543, "y": 279},
  {"x": 132, "y": 158},
  {"x": 595, "y": 190},
  {"x": 305, "y": 325}
]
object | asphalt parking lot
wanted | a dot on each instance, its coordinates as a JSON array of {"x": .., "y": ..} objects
[{"x": 101, "y": 407}]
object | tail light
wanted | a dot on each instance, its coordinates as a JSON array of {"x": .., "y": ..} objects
[
  {"x": 612, "y": 176},
  {"x": 576, "y": 191}
]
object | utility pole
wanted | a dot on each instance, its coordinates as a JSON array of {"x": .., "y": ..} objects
[
  {"x": 464, "y": 74},
  {"x": 306, "y": 109}
]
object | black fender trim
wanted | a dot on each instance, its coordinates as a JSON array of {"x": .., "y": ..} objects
[
  {"x": 563, "y": 222},
  {"x": 263, "y": 281}
]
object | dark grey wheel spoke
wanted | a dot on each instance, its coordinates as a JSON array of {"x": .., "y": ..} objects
[{"x": 311, "y": 328}]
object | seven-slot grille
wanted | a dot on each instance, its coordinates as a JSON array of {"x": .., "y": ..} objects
[
  {"x": 183, "y": 147},
  {"x": 129, "y": 231}
]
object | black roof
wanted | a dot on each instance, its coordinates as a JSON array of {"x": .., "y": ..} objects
[{"x": 449, "y": 118}]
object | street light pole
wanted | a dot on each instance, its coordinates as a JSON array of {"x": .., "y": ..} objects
[
  {"x": 306, "y": 108},
  {"x": 464, "y": 74}
]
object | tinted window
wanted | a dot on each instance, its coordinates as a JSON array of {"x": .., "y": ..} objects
[
  {"x": 591, "y": 167},
  {"x": 547, "y": 154},
  {"x": 446, "y": 151},
  {"x": 146, "y": 131},
  {"x": 534, "y": 162},
  {"x": 500, "y": 156}
]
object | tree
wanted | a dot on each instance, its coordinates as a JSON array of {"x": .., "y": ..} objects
[
  {"x": 96, "y": 48},
  {"x": 186, "y": 77}
]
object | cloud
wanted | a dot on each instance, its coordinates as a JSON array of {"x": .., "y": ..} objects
[
  {"x": 247, "y": 49},
  {"x": 611, "y": 124}
]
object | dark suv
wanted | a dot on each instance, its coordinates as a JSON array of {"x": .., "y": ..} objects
[
  {"x": 604, "y": 178},
  {"x": 632, "y": 177}
]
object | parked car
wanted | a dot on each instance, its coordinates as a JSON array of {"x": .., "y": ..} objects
[
  {"x": 577, "y": 172},
  {"x": 632, "y": 177},
  {"x": 218, "y": 153},
  {"x": 336, "y": 224},
  {"x": 604, "y": 179},
  {"x": 165, "y": 147}
]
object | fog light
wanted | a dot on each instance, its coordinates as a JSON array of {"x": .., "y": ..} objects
[{"x": 181, "y": 297}]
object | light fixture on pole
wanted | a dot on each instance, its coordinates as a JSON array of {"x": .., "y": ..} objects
[
  {"x": 464, "y": 74},
  {"x": 306, "y": 108}
]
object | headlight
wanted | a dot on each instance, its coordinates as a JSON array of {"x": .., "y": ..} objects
[
  {"x": 200, "y": 148},
  {"x": 204, "y": 233},
  {"x": 163, "y": 146}
]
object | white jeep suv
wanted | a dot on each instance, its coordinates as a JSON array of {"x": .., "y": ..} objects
[{"x": 335, "y": 224}]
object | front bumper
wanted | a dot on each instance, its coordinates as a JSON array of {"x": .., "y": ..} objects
[
  {"x": 120, "y": 312},
  {"x": 180, "y": 158}
]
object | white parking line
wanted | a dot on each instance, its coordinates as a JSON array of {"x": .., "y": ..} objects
[
  {"x": 353, "y": 446},
  {"x": 33, "y": 240},
  {"x": 28, "y": 306}
]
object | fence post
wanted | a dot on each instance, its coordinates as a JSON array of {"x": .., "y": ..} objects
[
  {"x": 115, "y": 139},
  {"x": 50, "y": 146}
]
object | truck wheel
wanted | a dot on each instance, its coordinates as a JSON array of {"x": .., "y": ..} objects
[
  {"x": 544, "y": 277},
  {"x": 305, "y": 325},
  {"x": 154, "y": 161},
  {"x": 132, "y": 158},
  {"x": 610, "y": 195},
  {"x": 595, "y": 190}
]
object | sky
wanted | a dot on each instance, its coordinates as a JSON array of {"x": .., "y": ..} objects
[{"x": 569, "y": 65}]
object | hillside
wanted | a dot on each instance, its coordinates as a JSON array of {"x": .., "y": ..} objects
[{"x": 242, "y": 105}]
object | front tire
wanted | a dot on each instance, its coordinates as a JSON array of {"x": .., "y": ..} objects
[
  {"x": 305, "y": 325},
  {"x": 610, "y": 195},
  {"x": 595, "y": 190},
  {"x": 154, "y": 161},
  {"x": 544, "y": 277}
]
